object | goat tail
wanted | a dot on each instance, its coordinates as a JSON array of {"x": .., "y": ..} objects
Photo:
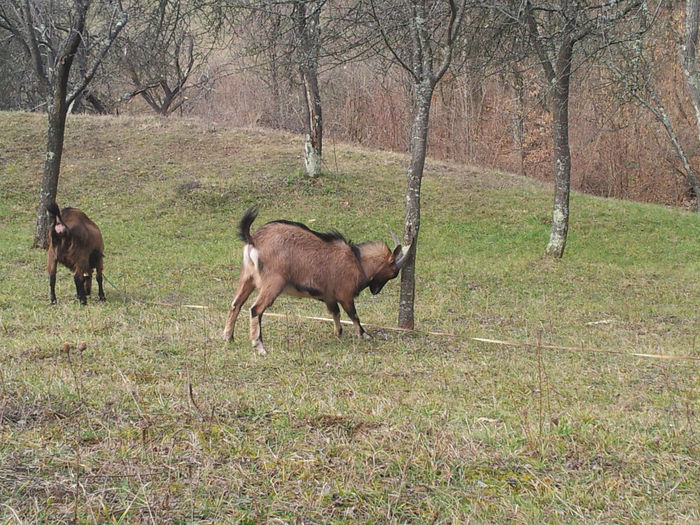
[
  {"x": 52, "y": 209},
  {"x": 244, "y": 226}
]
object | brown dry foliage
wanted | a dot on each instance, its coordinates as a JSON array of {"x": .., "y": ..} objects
[{"x": 618, "y": 150}]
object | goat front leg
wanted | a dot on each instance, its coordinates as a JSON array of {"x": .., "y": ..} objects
[
  {"x": 349, "y": 307},
  {"x": 100, "y": 289}
]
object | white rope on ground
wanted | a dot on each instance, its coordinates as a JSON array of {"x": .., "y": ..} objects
[
  {"x": 585, "y": 349},
  {"x": 448, "y": 334},
  {"x": 510, "y": 343}
]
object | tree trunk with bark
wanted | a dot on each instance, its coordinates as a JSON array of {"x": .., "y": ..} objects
[
  {"x": 434, "y": 30},
  {"x": 518, "y": 87},
  {"x": 313, "y": 151},
  {"x": 308, "y": 33},
  {"x": 419, "y": 145},
  {"x": 562, "y": 152},
  {"x": 558, "y": 74},
  {"x": 691, "y": 72},
  {"x": 52, "y": 167},
  {"x": 57, "y": 111}
]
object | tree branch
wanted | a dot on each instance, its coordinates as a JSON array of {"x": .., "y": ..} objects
[{"x": 106, "y": 44}]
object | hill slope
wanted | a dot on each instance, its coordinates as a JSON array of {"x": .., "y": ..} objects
[{"x": 158, "y": 419}]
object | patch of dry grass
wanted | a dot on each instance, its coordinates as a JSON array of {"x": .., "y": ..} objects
[{"x": 156, "y": 420}]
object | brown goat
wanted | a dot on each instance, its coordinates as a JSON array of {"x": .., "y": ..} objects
[
  {"x": 287, "y": 257},
  {"x": 76, "y": 242}
]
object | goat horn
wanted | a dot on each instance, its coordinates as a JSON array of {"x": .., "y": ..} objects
[
  {"x": 403, "y": 256},
  {"x": 394, "y": 238}
]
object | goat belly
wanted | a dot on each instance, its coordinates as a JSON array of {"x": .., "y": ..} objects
[{"x": 297, "y": 290}]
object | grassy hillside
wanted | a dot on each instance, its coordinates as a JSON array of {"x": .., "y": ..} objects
[{"x": 159, "y": 420}]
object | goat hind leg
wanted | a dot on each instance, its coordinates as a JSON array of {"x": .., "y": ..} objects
[
  {"x": 88, "y": 283},
  {"x": 245, "y": 287},
  {"x": 98, "y": 278},
  {"x": 268, "y": 293},
  {"x": 96, "y": 262},
  {"x": 79, "y": 280}
]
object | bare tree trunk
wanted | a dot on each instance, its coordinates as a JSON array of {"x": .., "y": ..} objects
[
  {"x": 426, "y": 60},
  {"x": 308, "y": 35},
  {"x": 314, "y": 138},
  {"x": 558, "y": 75},
  {"x": 519, "y": 119},
  {"x": 57, "y": 110},
  {"x": 562, "y": 153},
  {"x": 52, "y": 166},
  {"x": 659, "y": 111},
  {"x": 419, "y": 144},
  {"x": 692, "y": 75}
]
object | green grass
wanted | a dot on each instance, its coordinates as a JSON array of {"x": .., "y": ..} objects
[{"x": 158, "y": 420}]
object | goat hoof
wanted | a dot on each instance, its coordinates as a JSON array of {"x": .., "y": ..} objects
[
  {"x": 53, "y": 301},
  {"x": 366, "y": 336},
  {"x": 259, "y": 349},
  {"x": 102, "y": 298}
]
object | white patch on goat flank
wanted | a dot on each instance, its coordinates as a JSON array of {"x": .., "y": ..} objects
[
  {"x": 254, "y": 256},
  {"x": 246, "y": 255}
]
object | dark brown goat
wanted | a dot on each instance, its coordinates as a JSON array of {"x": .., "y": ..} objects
[
  {"x": 287, "y": 257},
  {"x": 76, "y": 242}
]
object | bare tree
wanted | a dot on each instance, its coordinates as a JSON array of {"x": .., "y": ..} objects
[
  {"x": 286, "y": 36},
  {"x": 421, "y": 37},
  {"x": 636, "y": 65},
  {"x": 51, "y": 34},
  {"x": 18, "y": 86},
  {"x": 307, "y": 30},
  {"x": 162, "y": 51},
  {"x": 266, "y": 41},
  {"x": 556, "y": 64},
  {"x": 562, "y": 34}
]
